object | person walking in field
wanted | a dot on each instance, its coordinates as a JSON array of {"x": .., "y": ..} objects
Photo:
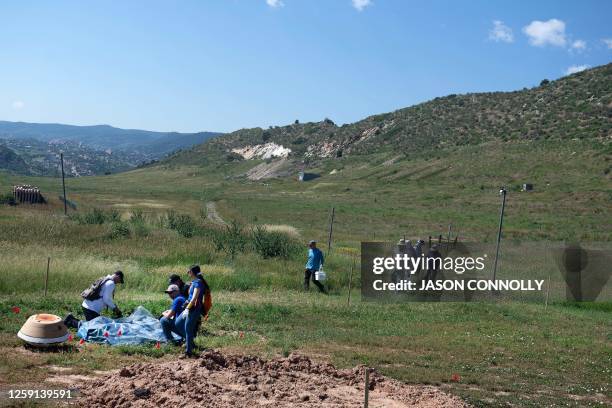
[
  {"x": 98, "y": 297},
  {"x": 313, "y": 264}
]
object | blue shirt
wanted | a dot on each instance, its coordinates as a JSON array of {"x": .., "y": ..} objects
[
  {"x": 177, "y": 305},
  {"x": 196, "y": 283},
  {"x": 315, "y": 259}
]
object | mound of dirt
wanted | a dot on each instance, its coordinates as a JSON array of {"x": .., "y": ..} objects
[{"x": 221, "y": 380}]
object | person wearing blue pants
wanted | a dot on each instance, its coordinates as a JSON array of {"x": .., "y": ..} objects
[
  {"x": 187, "y": 323},
  {"x": 170, "y": 316}
]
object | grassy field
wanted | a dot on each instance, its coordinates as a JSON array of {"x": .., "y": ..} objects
[{"x": 522, "y": 354}]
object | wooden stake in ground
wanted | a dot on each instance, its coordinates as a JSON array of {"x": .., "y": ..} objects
[
  {"x": 367, "y": 387},
  {"x": 348, "y": 303},
  {"x": 47, "y": 275},
  {"x": 331, "y": 229},
  {"x": 547, "y": 291}
]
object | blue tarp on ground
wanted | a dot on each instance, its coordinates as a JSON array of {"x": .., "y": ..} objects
[{"x": 138, "y": 328}]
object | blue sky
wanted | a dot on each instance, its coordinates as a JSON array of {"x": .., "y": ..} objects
[{"x": 226, "y": 64}]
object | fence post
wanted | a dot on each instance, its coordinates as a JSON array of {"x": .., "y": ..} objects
[
  {"x": 547, "y": 291},
  {"x": 367, "y": 388},
  {"x": 348, "y": 303},
  {"x": 47, "y": 275}
]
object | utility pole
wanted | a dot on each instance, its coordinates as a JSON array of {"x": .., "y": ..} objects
[
  {"x": 502, "y": 192},
  {"x": 64, "y": 185}
]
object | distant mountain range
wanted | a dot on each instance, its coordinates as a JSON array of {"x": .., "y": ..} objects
[{"x": 90, "y": 150}]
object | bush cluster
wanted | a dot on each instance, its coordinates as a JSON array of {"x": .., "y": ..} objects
[
  {"x": 183, "y": 224},
  {"x": 96, "y": 216},
  {"x": 120, "y": 229},
  {"x": 7, "y": 199},
  {"x": 232, "y": 238},
  {"x": 271, "y": 244}
]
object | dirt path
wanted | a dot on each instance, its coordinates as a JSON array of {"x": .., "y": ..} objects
[
  {"x": 218, "y": 380},
  {"x": 213, "y": 215}
]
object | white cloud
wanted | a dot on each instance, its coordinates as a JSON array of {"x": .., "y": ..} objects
[
  {"x": 361, "y": 4},
  {"x": 275, "y": 3},
  {"x": 18, "y": 105},
  {"x": 576, "y": 68},
  {"x": 608, "y": 42},
  {"x": 501, "y": 32},
  {"x": 578, "y": 45},
  {"x": 541, "y": 33}
]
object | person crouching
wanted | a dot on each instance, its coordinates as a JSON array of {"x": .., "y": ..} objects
[{"x": 170, "y": 316}]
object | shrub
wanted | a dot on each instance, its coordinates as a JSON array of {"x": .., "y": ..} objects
[
  {"x": 113, "y": 216},
  {"x": 271, "y": 244},
  {"x": 181, "y": 223},
  {"x": 139, "y": 223},
  {"x": 232, "y": 240},
  {"x": 169, "y": 220},
  {"x": 203, "y": 212},
  {"x": 185, "y": 225},
  {"x": 95, "y": 216},
  {"x": 137, "y": 217},
  {"x": 119, "y": 229},
  {"x": 7, "y": 199},
  {"x": 140, "y": 229}
]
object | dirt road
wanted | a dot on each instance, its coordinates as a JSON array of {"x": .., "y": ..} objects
[{"x": 213, "y": 215}]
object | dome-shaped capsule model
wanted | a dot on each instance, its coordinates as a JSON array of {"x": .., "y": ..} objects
[{"x": 43, "y": 330}]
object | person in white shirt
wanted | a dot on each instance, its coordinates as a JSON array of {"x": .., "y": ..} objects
[{"x": 93, "y": 308}]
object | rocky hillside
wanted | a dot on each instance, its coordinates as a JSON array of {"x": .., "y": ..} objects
[{"x": 576, "y": 106}]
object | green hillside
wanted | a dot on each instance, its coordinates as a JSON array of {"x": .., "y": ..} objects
[
  {"x": 11, "y": 161},
  {"x": 576, "y": 106}
]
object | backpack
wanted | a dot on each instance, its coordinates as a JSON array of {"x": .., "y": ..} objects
[
  {"x": 93, "y": 292},
  {"x": 207, "y": 304}
]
